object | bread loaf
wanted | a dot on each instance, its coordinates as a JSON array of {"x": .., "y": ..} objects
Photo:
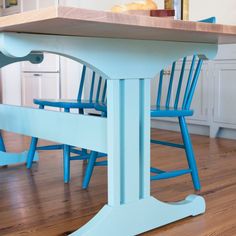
[{"x": 142, "y": 5}]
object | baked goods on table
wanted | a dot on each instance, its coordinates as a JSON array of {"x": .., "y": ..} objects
[
  {"x": 141, "y": 5},
  {"x": 145, "y": 8}
]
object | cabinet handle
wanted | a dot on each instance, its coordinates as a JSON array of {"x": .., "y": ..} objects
[
  {"x": 167, "y": 72},
  {"x": 37, "y": 75}
]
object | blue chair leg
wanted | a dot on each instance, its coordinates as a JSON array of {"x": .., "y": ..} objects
[
  {"x": 84, "y": 151},
  {"x": 66, "y": 164},
  {"x": 89, "y": 169},
  {"x": 32, "y": 149},
  {"x": 2, "y": 145},
  {"x": 189, "y": 153},
  {"x": 31, "y": 153},
  {"x": 66, "y": 158}
]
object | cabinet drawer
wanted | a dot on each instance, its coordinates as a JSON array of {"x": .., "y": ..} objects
[{"x": 51, "y": 63}]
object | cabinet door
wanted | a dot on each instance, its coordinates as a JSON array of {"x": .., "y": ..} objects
[
  {"x": 225, "y": 92},
  {"x": 45, "y": 86}
]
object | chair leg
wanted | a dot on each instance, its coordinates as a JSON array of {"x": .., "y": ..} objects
[
  {"x": 189, "y": 153},
  {"x": 32, "y": 149},
  {"x": 66, "y": 164},
  {"x": 31, "y": 153},
  {"x": 81, "y": 112},
  {"x": 2, "y": 145},
  {"x": 89, "y": 169}
]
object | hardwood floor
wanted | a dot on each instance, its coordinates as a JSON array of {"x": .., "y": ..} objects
[{"x": 37, "y": 203}]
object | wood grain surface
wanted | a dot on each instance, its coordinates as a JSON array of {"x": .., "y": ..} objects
[
  {"x": 38, "y": 203},
  {"x": 83, "y": 22}
]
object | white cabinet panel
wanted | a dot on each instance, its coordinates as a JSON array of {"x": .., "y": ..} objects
[
  {"x": 70, "y": 78},
  {"x": 51, "y": 63},
  {"x": 39, "y": 86},
  {"x": 11, "y": 84},
  {"x": 225, "y": 93}
]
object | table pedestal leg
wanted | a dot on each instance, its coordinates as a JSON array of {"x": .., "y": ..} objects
[
  {"x": 130, "y": 209},
  {"x": 141, "y": 216}
]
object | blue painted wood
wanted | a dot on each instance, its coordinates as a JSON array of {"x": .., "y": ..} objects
[
  {"x": 81, "y": 104},
  {"x": 44, "y": 124},
  {"x": 189, "y": 153},
  {"x": 180, "y": 83},
  {"x": 154, "y": 214},
  {"x": 133, "y": 59},
  {"x": 168, "y": 144},
  {"x": 50, "y": 147},
  {"x": 2, "y": 145},
  {"x": 81, "y": 87},
  {"x": 7, "y": 158},
  {"x": 89, "y": 169},
  {"x": 31, "y": 153},
  {"x": 209, "y": 20},
  {"x": 99, "y": 89},
  {"x": 157, "y": 171},
  {"x": 158, "y": 111},
  {"x": 34, "y": 58},
  {"x": 189, "y": 81},
  {"x": 66, "y": 163},
  {"x": 194, "y": 84},
  {"x": 104, "y": 92},
  {"x": 170, "y": 174},
  {"x": 92, "y": 87},
  {"x": 168, "y": 97},
  {"x": 159, "y": 94},
  {"x": 180, "y": 111}
]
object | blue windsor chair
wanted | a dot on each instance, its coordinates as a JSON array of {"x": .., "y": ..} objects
[
  {"x": 95, "y": 95},
  {"x": 166, "y": 110}
]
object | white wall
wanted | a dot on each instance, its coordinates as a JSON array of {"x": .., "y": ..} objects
[
  {"x": 225, "y": 11},
  {"x": 199, "y": 9}
]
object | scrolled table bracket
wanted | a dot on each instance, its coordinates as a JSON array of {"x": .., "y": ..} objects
[{"x": 7, "y": 158}]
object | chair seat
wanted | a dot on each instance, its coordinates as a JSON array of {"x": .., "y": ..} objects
[
  {"x": 155, "y": 111},
  {"x": 65, "y": 103},
  {"x": 169, "y": 112},
  {"x": 101, "y": 107}
]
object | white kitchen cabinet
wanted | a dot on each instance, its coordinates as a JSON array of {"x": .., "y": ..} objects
[
  {"x": 51, "y": 63},
  {"x": 35, "y": 85},
  {"x": 224, "y": 95}
]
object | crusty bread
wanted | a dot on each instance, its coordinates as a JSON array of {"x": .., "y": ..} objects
[{"x": 143, "y": 5}]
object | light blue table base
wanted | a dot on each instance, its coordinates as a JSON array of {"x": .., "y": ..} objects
[
  {"x": 7, "y": 158},
  {"x": 124, "y": 135},
  {"x": 141, "y": 216}
]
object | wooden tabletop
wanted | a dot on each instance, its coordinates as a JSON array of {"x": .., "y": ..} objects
[{"x": 83, "y": 22}]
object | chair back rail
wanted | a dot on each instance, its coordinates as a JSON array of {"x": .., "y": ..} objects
[
  {"x": 97, "y": 88},
  {"x": 187, "y": 91}
]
